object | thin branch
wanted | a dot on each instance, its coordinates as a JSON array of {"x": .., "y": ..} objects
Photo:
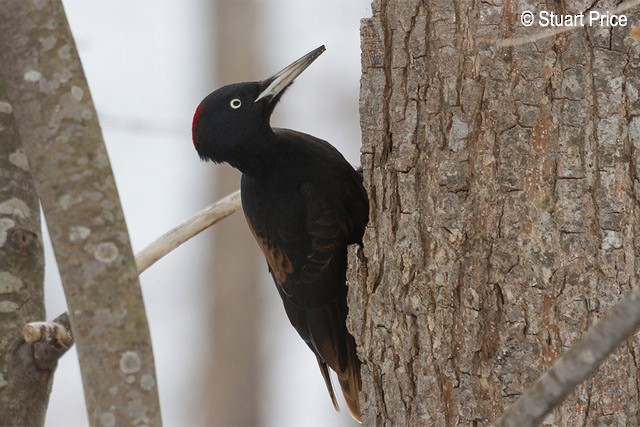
[
  {"x": 518, "y": 41},
  {"x": 575, "y": 366},
  {"x": 49, "y": 341},
  {"x": 185, "y": 231},
  {"x": 59, "y": 330}
]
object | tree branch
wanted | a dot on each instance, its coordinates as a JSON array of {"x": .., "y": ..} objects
[
  {"x": 48, "y": 340},
  {"x": 185, "y": 231},
  {"x": 59, "y": 331},
  {"x": 575, "y": 366}
]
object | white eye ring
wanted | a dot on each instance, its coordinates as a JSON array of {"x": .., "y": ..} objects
[{"x": 235, "y": 103}]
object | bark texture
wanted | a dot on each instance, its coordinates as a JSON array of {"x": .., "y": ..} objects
[
  {"x": 504, "y": 210},
  {"x": 24, "y": 385},
  {"x": 63, "y": 142}
]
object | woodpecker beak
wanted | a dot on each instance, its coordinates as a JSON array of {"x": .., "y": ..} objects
[{"x": 282, "y": 79}]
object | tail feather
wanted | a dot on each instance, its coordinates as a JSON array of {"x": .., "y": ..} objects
[
  {"x": 327, "y": 380},
  {"x": 351, "y": 384},
  {"x": 324, "y": 330}
]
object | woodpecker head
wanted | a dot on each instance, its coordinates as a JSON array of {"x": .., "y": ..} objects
[{"x": 229, "y": 120}]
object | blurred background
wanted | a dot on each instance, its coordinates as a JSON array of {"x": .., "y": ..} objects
[{"x": 225, "y": 352}]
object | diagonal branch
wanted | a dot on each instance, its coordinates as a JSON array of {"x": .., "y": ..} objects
[
  {"x": 575, "y": 366},
  {"x": 185, "y": 231},
  {"x": 59, "y": 328}
]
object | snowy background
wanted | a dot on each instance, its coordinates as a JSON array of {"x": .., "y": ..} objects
[{"x": 149, "y": 63}]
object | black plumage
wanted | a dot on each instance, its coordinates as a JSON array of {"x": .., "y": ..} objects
[{"x": 304, "y": 204}]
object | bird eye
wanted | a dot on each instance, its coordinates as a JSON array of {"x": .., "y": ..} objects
[{"x": 235, "y": 103}]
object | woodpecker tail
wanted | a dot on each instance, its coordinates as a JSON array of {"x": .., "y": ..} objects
[
  {"x": 327, "y": 380},
  {"x": 351, "y": 384}
]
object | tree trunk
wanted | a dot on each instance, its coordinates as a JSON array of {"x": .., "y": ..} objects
[
  {"x": 24, "y": 386},
  {"x": 504, "y": 210},
  {"x": 63, "y": 142}
]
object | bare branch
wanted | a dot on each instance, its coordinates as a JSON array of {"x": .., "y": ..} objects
[
  {"x": 58, "y": 331},
  {"x": 47, "y": 331},
  {"x": 185, "y": 231},
  {"x": 518, "y": 41},
  {"x": 575, "y": 366},
  {"x": 49, "y": 341}
]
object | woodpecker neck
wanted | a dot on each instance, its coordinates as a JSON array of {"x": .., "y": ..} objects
[{"x": 251, "y": 156}]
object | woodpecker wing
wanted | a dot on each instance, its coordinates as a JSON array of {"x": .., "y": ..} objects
[
  {"x": 303, "y": 224},
  {"x": 330, "y": 228},
  {"x": 306, "y": 250}
]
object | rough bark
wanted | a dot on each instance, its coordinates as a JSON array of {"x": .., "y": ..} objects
[
  {"x": 580, "y": 362},
  {"x": 24, "y": 386},
  {"x": 504, "y": 214},
  {"x": 63, "y": 143}
]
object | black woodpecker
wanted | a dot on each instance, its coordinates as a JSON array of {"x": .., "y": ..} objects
[{"x": 304, "y": 204}]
